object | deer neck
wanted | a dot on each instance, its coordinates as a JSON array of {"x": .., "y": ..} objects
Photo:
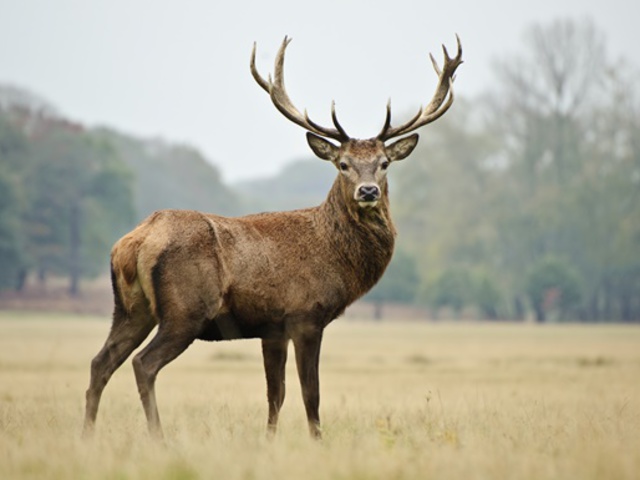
[{"x": 363, "y": 237}]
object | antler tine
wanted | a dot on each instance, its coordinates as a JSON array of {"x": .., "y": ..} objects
[
  {"x": 283, "y": 103},
  {"x": 387, "y": 132},
  {"x": 334, "y": 118},
  {"x": 437, "y": 106},
  {"x": 387, "y": 120},
  {"x": 278, "y": 92},
  {"x": 266, "y": 86},
  {"x": 435, "y": 64}
]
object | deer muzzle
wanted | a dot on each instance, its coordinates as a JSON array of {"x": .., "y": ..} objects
[{"x": 367, "y": 194}]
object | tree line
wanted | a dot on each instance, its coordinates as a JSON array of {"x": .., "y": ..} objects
[
  {"x": 65, "y": 197},
  {"x": 528, "y": 199}
]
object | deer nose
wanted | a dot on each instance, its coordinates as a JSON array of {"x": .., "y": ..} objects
[{"x": 368, "y": 193}]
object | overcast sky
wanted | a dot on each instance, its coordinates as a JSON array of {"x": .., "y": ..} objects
[{"x": 180, "y": 69}]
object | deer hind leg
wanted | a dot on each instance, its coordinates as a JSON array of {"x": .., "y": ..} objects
[
  {"x": 127, "y": 333},
  {"x": 274, "y": 353},
  {"x": 169, "y": 342},
  {"x": 307, "y": 349}
]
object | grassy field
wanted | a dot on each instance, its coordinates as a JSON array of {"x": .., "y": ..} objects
[{"x": 399, "y": 401}]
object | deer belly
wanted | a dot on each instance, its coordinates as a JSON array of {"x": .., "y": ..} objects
[{"x": 228, "y": 327}]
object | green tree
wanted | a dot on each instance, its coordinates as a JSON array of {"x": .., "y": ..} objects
[
  {"x": 444, "y": 203},
  {"x": 552, "y": 284},
  {"x": 67, "y": 197},
  {"x": 83, "y": 199},
  {"x": 13, "y": 147},
  {"x": 487, "y": 295},
  {"x": 11, "y": 255},
  {"x": 452, "y": 288},
  {"x": 567, "y": 119}
]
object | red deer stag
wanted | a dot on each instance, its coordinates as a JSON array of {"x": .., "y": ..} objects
[{"x": 275, "y": 276}]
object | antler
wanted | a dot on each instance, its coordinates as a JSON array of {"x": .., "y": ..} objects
[
  {"x": 281, "y": 100},
  {"x": 435, "y": 109}
]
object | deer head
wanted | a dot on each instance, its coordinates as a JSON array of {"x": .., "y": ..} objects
[{"x": 362, "y": 163}]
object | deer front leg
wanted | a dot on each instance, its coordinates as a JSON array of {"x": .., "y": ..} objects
[
  {"x": 274, "y": 353},
  {"x": 307, "y": 348}
]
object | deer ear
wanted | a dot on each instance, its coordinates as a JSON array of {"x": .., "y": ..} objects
[
  {"x": 402, "y": 148},
  {"x": 322, "y": 148}
]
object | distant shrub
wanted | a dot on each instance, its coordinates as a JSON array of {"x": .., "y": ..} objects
[
  {"x": 553, "y": 285},
  {"x": 486, "y": 295},
  {"x": 452, "y": 289},
  {"x": 460, "y": 287}
]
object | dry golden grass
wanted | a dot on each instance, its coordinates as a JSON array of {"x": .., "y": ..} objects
[{"x": 399, "y": 400}]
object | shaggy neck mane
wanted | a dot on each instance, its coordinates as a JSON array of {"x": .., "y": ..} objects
[{"x": 363, "y": 237}]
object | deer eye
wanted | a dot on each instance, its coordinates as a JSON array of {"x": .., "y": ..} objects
[
  {"x": 343, "y": 166},
  {"x": 384, "y": 165}
]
